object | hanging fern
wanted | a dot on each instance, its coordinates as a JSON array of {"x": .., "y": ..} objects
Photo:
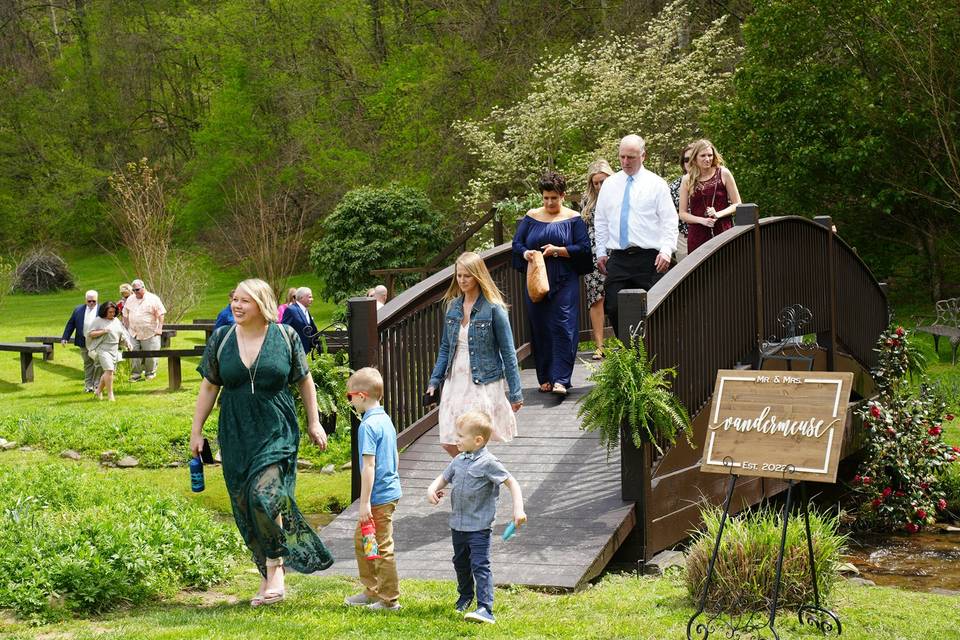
[{"x": 627, "y": 391}]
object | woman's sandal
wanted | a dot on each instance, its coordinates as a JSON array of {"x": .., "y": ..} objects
[
  {"x": 598, "y": 354},
  {"x": 559, "y": 389},
  {"x": 546, "y": 387},
  {"x": 270, "y": 596}
]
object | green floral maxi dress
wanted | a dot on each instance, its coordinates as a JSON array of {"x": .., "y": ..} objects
[{"x": 259, "y": 436}]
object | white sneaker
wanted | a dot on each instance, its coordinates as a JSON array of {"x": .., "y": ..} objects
[
  {"x": 380, "y": 605},
  {"x": 359, "y": 600}
]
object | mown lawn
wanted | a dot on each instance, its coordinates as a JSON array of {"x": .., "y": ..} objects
[{"x": 619, "y": 606}]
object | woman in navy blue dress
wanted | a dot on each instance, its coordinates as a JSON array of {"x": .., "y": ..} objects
[{"x": 561, "y": 235}]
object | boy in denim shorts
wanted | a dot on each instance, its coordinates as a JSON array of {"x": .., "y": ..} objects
[{"x": 475, "y": 477}]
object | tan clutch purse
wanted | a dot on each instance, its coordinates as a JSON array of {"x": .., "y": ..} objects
[{"x": 537, "y": 284}]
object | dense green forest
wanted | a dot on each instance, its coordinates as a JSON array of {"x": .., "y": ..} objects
[{"x": 843, "y": 108}]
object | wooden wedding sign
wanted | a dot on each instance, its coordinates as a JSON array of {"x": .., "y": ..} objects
[{"x": 777, "y": 424}]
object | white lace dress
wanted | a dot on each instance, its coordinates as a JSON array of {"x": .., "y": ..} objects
[{"x": 460, "y": 395}]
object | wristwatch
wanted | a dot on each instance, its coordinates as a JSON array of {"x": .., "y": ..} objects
[{"x": 556, "y": 252}]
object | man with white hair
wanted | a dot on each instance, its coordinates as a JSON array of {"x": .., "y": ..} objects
[
  {"x": 636, "y": 227},
  {"x": 80, "y": 319},
  {"x": 380, "y": 293},
  {"x": 297, "y": 315},
  {"x": 143, "y": 317}
]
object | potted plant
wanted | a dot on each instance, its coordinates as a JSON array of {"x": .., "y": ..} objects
[
  {"x": 630, "y": 398},
  {"x": 330, "y": 374}
]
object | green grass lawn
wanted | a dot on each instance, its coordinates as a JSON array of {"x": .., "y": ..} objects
[{"x": 619, "y": 606}]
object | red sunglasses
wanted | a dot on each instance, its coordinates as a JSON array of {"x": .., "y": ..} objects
[{"x": 362, "y": 394}]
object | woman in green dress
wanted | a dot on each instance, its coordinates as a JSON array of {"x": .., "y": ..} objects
[{"x": 254, "y": 362}]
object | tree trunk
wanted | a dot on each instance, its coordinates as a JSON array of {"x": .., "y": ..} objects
[{"x": 376, "y": 24}]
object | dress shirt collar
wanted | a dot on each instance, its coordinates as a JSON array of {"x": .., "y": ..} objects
[
  {"x": 372, "y": 411},
  {"x": 473, "y": 455}
]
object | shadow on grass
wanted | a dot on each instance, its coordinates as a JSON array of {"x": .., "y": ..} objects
[{"x": 11, "y": 387}]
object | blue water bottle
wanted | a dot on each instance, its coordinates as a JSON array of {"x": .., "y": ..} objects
[{"x": 196, "y": 475}]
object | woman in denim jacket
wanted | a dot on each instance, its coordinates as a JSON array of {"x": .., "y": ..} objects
[{"x": 477, "y": 360}]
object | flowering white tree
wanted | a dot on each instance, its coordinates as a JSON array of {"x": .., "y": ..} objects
[{"x": 653, "y": 83}]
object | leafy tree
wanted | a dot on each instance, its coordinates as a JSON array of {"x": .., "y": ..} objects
[
  {"x": 582, "y": 102},
  {"x": 850, "y": 108},
  {"x": 375, "y": 228}
]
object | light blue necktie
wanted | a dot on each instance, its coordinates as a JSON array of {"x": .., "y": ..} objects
[{"x": 625, "y": 215}]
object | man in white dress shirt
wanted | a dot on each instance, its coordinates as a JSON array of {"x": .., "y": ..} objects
[{"x": 636, "y": 227}]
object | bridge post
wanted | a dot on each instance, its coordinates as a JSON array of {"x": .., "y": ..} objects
[
  {"x": 749, "y": 214},
  {"x": 634, "y": 463},
  {"x": 497, "y": 229},
  {"x": 364, "y": 349},
  {"x": 827, "y": 223}
]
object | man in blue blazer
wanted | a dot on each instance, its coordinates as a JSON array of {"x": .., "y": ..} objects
[
  {"x": 298, "y": 316},
  {"x": 79, "y": 320}
]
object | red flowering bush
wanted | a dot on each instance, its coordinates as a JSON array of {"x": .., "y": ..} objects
[{"x": 898, "y": 485}]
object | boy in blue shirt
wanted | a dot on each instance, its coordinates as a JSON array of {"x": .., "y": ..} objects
[
  {"x": 379, "y": 492},
  {"x": 475, "y": 477}
]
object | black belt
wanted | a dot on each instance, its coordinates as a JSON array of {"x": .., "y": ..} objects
[{"x": 630, "y": 251}]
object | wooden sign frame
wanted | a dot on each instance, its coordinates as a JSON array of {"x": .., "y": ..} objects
[{"x": 777, "y": 424}]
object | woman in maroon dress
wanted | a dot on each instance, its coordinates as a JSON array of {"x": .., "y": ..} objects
[{"x": 708, "y": 195}]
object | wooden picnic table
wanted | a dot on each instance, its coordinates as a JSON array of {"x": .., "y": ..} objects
[
  {"x": 173, "y": 361},
  {"x": 26, "y": 351}
]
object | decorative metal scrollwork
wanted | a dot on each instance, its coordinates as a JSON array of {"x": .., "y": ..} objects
[{"x": 823, "y": 620}]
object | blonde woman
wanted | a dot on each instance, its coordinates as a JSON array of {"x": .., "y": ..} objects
[
  {"x": 593, "y": 281},
  {"x": 477, "y": 361},
  {"x": 252, "y": 364},
  {"x": 708, "y": 195},
  {"x": 290, "y": 299}
]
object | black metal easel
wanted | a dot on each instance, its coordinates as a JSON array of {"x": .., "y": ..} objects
[{"x": 735, "y": 625}]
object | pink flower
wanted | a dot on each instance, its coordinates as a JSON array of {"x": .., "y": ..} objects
[
  {"x": 875, "y": 411},
  {"x": 911, "y": 527},
  {"x": 887, "y": 491},
  {"x": 921, "y": 514},
  {"x": 935, "y": 430},
  {"x": 867, "y": 480},
  {"x": 949, "y": 416},
  {"x": 856, "y": 479},
  {"x": 924, "y": 485},
  {"x": 900, "y": 331},
  {"x": 955, "y": 448},
  {"x": 942, "y": 504},
  {"x": 891, "y": 431},
  {"x": 899, "y": 493},
  {"x": 877, "y": 502}
]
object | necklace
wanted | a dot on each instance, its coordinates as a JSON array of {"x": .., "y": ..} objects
[{"x": 256, "y": 363}]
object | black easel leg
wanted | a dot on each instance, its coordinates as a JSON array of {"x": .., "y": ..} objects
[
  {"x": 703, "y": 630},
  {"x": 815, "y": 616},
  {"x": 783, "y": 544}
]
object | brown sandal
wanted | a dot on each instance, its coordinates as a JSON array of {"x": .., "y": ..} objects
[{"x": 546, "y": 387}]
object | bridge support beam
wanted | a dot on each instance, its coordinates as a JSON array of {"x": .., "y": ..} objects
[
  {"x": 364, "y": 341},
  {"x": 827, "y": 223}
]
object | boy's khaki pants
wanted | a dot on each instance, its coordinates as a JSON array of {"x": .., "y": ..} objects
[{"x": 379, "y": 577}]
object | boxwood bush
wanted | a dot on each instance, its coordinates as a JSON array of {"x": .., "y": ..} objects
[{"x": 78, "y": 541}]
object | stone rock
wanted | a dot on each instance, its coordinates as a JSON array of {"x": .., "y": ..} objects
[
  {"x": 304, "y": 464},
  {"x": 660, "y": 563},
  {"x": 346, "y": 466},
  {"x": 848, "y": 569},
  {"x": 70, "y": 454},
  {"x": 951, "y": 529},
  {"x": 217, "y": 458},
  {"x": 174, "y": 464},
  {"x": 944, "y": 592},
  {"x": 3, "y": 441},
  {"x": 25, "y": 448},
  {"x": 328, "y": 469},
  {"x": 6, "y": 445},
  {"x": 128, "y": 462},
  {"x": 861, "y": 582},
  {"x": 109, "y": 456}
]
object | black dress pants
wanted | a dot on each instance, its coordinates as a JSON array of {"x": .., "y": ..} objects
[{"x": 633, "y": 268}]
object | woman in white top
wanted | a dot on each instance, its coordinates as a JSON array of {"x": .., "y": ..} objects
[{"x": 104, "y": 336}]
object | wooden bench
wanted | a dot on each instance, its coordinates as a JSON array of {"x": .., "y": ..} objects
[
  {"x": 53, "y": 341},
  {"x": 206, "y": 327},
  {"x": 173, "y": 361},
  {"x": 26, "y": 351},
  {"x": 946, "y": 324}
]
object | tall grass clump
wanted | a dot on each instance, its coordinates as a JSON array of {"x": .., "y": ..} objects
[
  {"x": 81, "y": 541},
  {"x": 746, "y": 564}
]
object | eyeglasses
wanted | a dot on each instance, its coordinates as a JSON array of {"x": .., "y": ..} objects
[
  {"x": 362, "y": 394},
  {"x": 138, "y": 289},
  {"x": 91, "y": 302}
]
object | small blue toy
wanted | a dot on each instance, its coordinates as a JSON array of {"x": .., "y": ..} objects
[{"x": 509, "y": 531}]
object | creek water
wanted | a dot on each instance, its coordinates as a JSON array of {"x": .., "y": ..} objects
[{"x": 921, "y": 562}]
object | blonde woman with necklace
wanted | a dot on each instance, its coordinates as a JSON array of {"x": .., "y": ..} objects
[
  {"x": 251, "y": 365},
  {"x": 708, "y": 195}
]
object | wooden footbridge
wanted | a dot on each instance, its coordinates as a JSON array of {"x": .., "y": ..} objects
[{"x": 715, "y": 310}]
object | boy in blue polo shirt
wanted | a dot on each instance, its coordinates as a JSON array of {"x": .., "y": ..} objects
[
  {"x": 379, "y": 492},
  {"x": 475, "y": 477}
]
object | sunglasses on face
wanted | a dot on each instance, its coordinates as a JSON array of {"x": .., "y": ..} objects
[{"x": 362, "y": 394}]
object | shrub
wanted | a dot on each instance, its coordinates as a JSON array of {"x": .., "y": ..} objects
[
  {"x": 78, "y": 542},
  {"x": 898, "y": 485},
  {"x": 42, "y": 271},
  {"x": 950, "y": 479},
  {"x": 376, "y": 228},
  {"x": 746, "y": 564}
]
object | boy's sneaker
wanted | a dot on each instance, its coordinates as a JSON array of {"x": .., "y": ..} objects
[
  {"x": 380, "y": 605},
  {"x": 480, "y": 615},
  {"x": 359, "y": 600},
  {"x": 462, "y": 605}
]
